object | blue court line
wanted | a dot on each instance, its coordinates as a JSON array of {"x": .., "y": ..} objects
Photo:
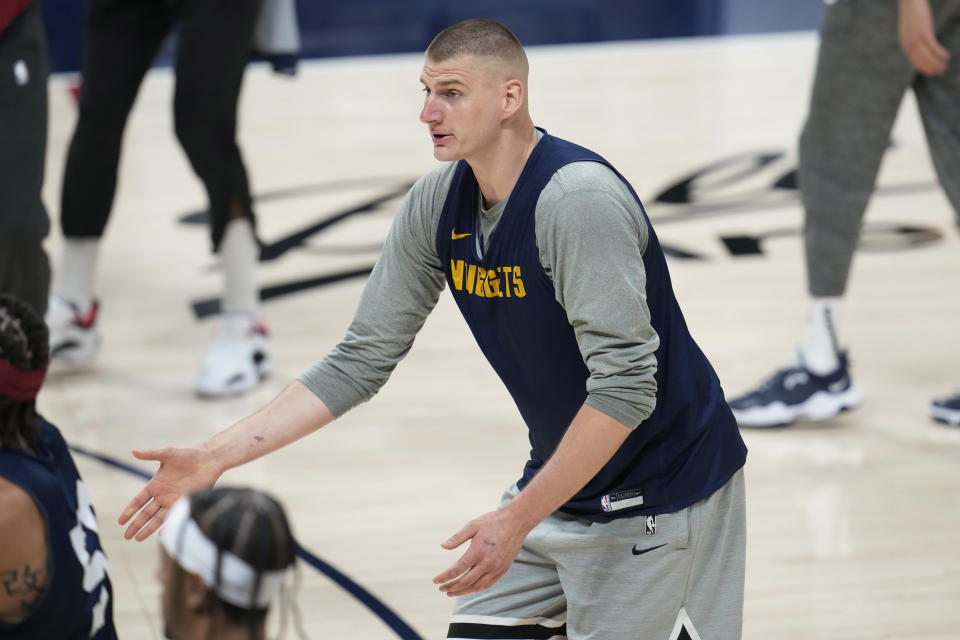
[{"x": 379, "y": 609}]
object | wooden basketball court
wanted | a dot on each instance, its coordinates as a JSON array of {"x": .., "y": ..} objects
[{"x": 852, "y": 524}]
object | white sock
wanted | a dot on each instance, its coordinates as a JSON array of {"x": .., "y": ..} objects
[
  {"x": 73, "y": 280},
  {"x": 820, "y": 347},
  {"x": 238, "y": 256}
]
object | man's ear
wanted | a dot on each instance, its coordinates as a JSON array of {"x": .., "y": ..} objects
[
  {"x": 195, "y": 594},
  {"x": 513, "y": 95}
]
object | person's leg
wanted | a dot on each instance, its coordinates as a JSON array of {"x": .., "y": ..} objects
[
  {"x": 527, "y": 602},
  {"x": 713, "y": 601},
  {"x": 860, "y": 80},
  {"x": 938, "y": 98},
  {"x": 24, "y": 268},
  {"x": 215, "y": 43},
  {"x": 657, "y": 577},
  {"x": 861, "y": 76},
  {"x": 121, "y": 38}
]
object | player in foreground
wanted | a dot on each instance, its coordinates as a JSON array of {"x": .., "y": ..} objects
[{"x": 628, "y": 520}]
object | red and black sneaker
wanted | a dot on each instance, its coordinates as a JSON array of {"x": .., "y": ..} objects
[
  {"x": 74, "y": 337},
  {"x": 239, "y": 357}
]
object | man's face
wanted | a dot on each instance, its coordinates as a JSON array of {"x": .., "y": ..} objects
[{"x": 462, "y": 108}]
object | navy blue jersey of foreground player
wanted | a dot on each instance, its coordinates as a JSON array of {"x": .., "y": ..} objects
[
  {"x": 78, "y": 600},
  {"x": 684, "y": 451}
]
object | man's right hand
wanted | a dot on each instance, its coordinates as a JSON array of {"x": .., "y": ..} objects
[
  {"x": 918, "y": 38},
  {"x": 182, "y": 471},
  {"x": 290, "y": 416}
]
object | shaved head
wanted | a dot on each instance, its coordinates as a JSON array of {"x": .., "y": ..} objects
[
  {"x": 475, "y": 84},
  {"x": 484, "y": 40}
]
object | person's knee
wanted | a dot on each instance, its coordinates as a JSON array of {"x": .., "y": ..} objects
[
  {"x": 200, "y": 125},
  {"x": 25, "y": 269}
]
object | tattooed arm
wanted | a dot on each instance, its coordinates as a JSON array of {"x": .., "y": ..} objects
[{"x": 23, "y": 553}]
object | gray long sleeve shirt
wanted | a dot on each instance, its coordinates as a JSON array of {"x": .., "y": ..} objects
[{"x": 594, "y": 261}]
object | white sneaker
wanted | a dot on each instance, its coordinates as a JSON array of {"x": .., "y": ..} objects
[
  {"x": 238, "y": 359},
  {"x": 73, "y": 335}
]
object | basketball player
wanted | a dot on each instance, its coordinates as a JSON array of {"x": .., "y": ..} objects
[
  {"x": 24, "y": 267},
  {"x": 120, "y": 42},
  {"x": 225, "y": 554},
  {"x": 53, "y": 572},
  {"x": 870, "y": 53},
  {"x": 628, "y": 520}
]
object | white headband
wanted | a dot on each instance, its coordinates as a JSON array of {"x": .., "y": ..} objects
[{"x": 196, "y": 553}]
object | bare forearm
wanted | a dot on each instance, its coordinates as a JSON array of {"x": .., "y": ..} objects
[
  {"x": 591, "y": 440},
  {"x": 294, "y": 413}
]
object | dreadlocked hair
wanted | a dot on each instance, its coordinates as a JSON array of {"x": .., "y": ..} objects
[
  {"x": 252, "y": 526},
  {"x": 24, "y": 345}
]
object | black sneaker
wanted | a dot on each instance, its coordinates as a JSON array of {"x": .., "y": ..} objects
[
  {"x": 946, "y": 410},
  {"x": 797, "y": 392}
]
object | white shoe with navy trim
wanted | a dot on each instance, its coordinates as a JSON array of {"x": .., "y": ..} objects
[{"x": 946, "y": 410}]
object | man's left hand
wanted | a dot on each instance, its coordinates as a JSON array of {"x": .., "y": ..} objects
[
  {"x": 918, "y": 38},
  {"x": 495, "y": 542}
]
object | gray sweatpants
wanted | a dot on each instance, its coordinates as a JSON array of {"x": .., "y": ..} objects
[
  {"x": 861, "y": 77},
  {"x": 642, "y": 578}
]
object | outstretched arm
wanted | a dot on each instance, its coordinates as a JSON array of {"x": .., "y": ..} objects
[
  {"x": 401, "y": 292},
  {"x": 294, "y": 413}
]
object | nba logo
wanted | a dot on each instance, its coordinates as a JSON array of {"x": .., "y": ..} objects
[
  {"x": 605, "y": 503},
  {"x": 651, "y": 525}
]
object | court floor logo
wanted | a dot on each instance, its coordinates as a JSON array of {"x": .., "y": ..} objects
[
  {"x": 751, "y": 181},
  {"x": 764, "y": 181},
  {"x": 384, "y": 194}
]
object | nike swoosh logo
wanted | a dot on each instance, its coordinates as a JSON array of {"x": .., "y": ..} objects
[
  {"x": 456, "y": 236},
  {"x": 640, "y": 552}
]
